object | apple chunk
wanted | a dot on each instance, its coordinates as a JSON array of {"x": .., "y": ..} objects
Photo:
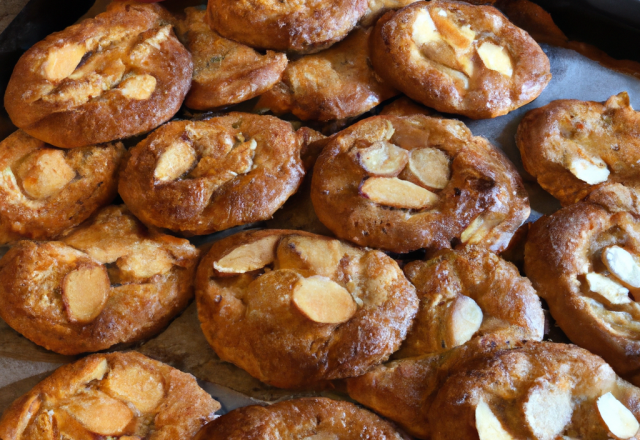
[
  {"x": 609, "y": 289},
  {"x": 100, "y": 413},
  {"x": 383, "y": 159},
  {"x": 622, "y": 264},
  {"x": 488, "y": 425},
  {"x": 463, "y": 321},
  {"x": 617, "y": 418},
  {"x": 62, "y": 61},
  {"x": 176, "y": 160},
  {"x": 45, "y": 173},
  {"x": 391, "y": 191},
  {"x": 496, "y": 58},
  {"x": 85, "y": 292},
  {"x": 592, "y": 171},
  {"x": 323, "y": 300},
  {"x": 428, "y": 167},
  {"x": 250, "y": 256}
]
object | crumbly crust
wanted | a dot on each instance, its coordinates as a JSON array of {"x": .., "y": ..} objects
[
  {"x": 150, "y": 277},
  {"x": 45, "y": 191}
]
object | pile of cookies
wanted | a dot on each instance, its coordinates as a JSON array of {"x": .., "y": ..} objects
[{"x": 407, "y": 306}]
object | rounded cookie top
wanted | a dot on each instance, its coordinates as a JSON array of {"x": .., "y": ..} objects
[
  {"x": 119, "y": 74},
  {"x": 302, "y": 27},
  {"x": 459, "y": 58},
  {"x": 584, "y": 260},
  {"x": 541, "y": 391},
  {"x": 44, "y": 190},
  {"x": 120, "y": 395},
  {"x": 108, "y": 281},
  {"x": 300, "y": 419},
  {"x": 198, "y": 177},
  {"x": 405, "y": 183},
  {"x": 571, "y": 147},
  {"x": 295, "y": 309}
]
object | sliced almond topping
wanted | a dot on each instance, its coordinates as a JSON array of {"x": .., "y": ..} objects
[
  {"x": 323, "y": 301},
  {"x": 100, "y": 413},
  {"x": 85, "y": 292},
  {"x": 424, "y": 29},
  {"x": 592, "y": 172},
  {"x": 463, "y": 321},
  {"x": 45, "y": 173},
  {"x": 136, "y": 385},
  {"x": 138, "y": 87},
  {"x": 622, "y": 265},
  {"x": 382, "y": 158},
  {"x": 547, "y": 410},
  {"x": 391, "y": 191},
  {"x": 176, "y": 160},
  {"x": 480, "y": 227},
  {"x": 488, "y": 425},
  {"x": 61, "y": 62},
  {"x": 306, "y": 253},
  {"x": 429, "y": 167},
  {"x": 612, "y": 291},
  {"x": 250, "y": 256},
  {"x": 496, "y": 58},
  {"x": 617, "y": 418}
]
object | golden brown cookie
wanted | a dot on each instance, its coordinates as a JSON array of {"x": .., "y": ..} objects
[
  {"x": 108, "y": 281},
  {"x": 300, "y": 419},
  {"x": 119, "y": 74},
  {"x": 124, "y": 396},
  {"x": 584, "y": 261},
  {"x": 336, "y": 83},
  {"x": 44, "y": 191},
  {"x": 295, "y": 309},
  {"x": 405, "y": 183},
  {"x": 302, "y": 27},
  {"x": 198, "y": 177},
  {"x": 225, "y": 72},
  {"x": 542, "y": 391},
  {"x": 573, "y": 146},
  {"x": 471, "y": 302},
  {"x": 459, "y": 58}
]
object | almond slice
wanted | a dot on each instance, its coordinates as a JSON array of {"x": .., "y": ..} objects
[
  {"x": 61, "y": 62},
  {"x": 320, "y": 256},
  {"x": 609, "y": 289},
  {"x": 622, "y": 265},
  {"x": 480, "y": 227},
  {"x": 548, "y": 410},
  {"x": 99, "y": 413},
  {"x": 592, "y": 171},
  {"x": 391, "y": 191},
  {"x": 85, "y": 292},
  {"x": 488, "y": 425},
  {"x": 176, "y": 160},
  {"x": 463, "y": 320},
  {"x": 617, "y": 418},
  {"x": 323, "y": 300},
  {"x": 250, "y": 256},
  {"x": 136, "y": 385},
  {"x": 138, "y": 87},
  {"x": 496, "y": 58},
  {"x": 382, "y": 158},
  {"x": 428, "y": 167},
  {"x": 45, "y": 173}
]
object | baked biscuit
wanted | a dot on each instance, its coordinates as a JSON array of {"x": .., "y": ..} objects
[
  {"x": 540, "y": 391},
  {"x": 120, "y": 395},
  {"x": 336, "y": 83},
  {"x": 405, "y": 183},
  {"x": 225, "y": 72},
  {"x": 44, "y": 191},
  {"x": 583, "y": 260},
  {"x": 573, "y": 146},
  {"x": 295, "y": 309},
  {"x": 198, "y": 177},
  {"x": 301, "y": 27},
  {"x": 471, "y": 302},
  {"x": 119, "y": 74},
  {"x": 108, "y": 281},
  {"x": 459, "y": 58},
  {"x": 299, "y": 419}
]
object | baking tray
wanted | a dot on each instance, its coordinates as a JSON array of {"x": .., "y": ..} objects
[{"x": 23, "y": 364}]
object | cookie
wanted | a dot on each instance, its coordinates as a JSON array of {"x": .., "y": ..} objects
[
  {"x": 119, "y": 395},
  {"x": 540, "y": 391},
  {"x": 296, "y": 309},
  {"x": 471, "y": 302},
  {"x": 301, "y": 27},
  {"x": 44, "y": 190},
  {"x": 119, "y": 74},
  {"x": 225, "y": 72},
  {"x": 459, "y": 58},
  {"x": 198, "y": 177},
  {"x": 300, "y": 419},
  {"x": 405, "y": 183},
  {"x": 584, "y": 261},
  {"x": 571, "y": 147},
  {"x": 336, "y": 83},
  {"x": 108, "y": 281}
]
